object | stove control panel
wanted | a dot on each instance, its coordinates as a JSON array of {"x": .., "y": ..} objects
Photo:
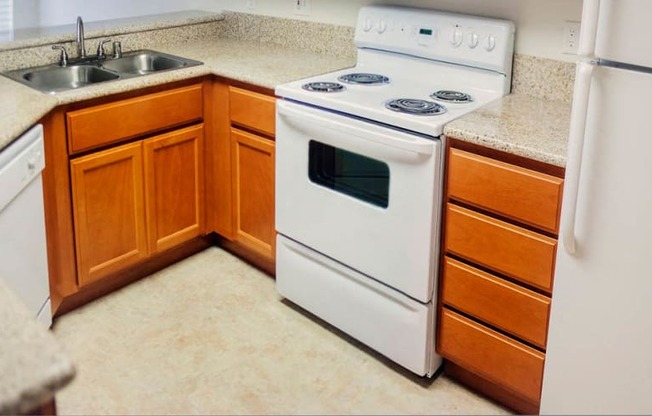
[{"x": 462, "y": 39}]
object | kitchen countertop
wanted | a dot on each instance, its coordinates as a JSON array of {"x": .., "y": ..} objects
[
  {"x": 26, "y": 343},
  {"x": 526, "y": 126},
  {"x": 255, "y": 63}
]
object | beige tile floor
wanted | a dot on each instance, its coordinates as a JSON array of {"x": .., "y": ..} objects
[{"x": 210, "y": 335}]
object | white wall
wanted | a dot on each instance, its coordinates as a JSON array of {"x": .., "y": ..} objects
[{"x": 539, "y": 23}]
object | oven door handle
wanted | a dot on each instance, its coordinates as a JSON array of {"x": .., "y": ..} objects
[{"x": 307, "y": 121}]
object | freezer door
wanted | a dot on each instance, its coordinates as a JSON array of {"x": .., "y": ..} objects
[
  {"x": 600, "y": 336},
  {"x": 624, "y": 32}
]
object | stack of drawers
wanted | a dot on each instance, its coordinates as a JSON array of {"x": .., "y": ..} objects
[{"x": 500, "y": 241}]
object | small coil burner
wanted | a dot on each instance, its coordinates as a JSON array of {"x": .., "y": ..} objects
[
  {"x": 451, "y": 96},
  {"x": 323, "y": 87},
  {"x": 362, "y": 78},
  {"x": 416, "y": 107}
]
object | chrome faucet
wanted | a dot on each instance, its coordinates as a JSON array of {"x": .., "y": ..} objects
[{"x": 81, "y": 48}]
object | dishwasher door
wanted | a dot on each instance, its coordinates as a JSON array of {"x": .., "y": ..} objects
[{"x": 23, "y": 252}]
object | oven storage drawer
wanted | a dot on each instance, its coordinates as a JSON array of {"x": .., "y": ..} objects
[
  {"x": 513, "y": 251},
  {"x": 497, "y": 302},
  {"x": 122, "y": 120},
  {"x": 492, "y": 355},
  {"x": 517, "y": 193},
  {"x": 386, "y": 320},
  {"x": 253, "y": 110}
]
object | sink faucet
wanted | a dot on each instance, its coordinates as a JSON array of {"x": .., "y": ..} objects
[{"x": 81, "y": 48}]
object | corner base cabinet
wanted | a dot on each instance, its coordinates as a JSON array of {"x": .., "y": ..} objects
[
  {"x": 126, "y": 183},
  {"x": 136, "y": 199},
  {"x": 499, "y": 243}
]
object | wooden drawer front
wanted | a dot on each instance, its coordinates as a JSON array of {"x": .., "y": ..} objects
[
  {"x": 253, "y": 110},
  {"x": 516, "y": 252},
  {"x": 491, "y": 355},
  {"x": 497, "y": 302},
  {"x": 515, "y": 192},
  {"x": 121, "y": 120}
]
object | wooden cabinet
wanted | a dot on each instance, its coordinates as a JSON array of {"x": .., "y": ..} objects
[
  {"x": 253, "y": 191},
  {"x": 135, "y": 200},
  {"x": 244, "y": 171},
  {"x": 125, "y": 187},
  {"x": 109, "y": 211},
  {"x": 174, "y": 187},
  {"x": 499, "y": 246}
]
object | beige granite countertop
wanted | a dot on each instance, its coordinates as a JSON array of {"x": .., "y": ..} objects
[
  {"x": 522, "y": 125},
  {"x": 247, "y": 61},
  {"x": 27, "y": 344},
  {"x": 20, "y": 108}
]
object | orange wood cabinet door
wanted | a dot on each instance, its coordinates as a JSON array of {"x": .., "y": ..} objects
[
  {"x": 521, "y": 254},
  {"x": 500, "y": 303},
  {"x": 109, "y": 211},
  {"x": 121, "y": 120},
  {"x": 484, "y": 351},
  {"x": 253, "y": 191},
  {"x": 174, "y": 187},
  {"x": 521, "y": 194},
  {"x": 253, "y": 110}
]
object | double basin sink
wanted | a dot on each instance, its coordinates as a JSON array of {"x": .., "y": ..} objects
[{"x": 54, "y": 78}]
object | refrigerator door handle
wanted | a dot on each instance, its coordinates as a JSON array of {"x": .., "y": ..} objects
[
  {"x": 576, "y": 138},
  {"x": 589, "y": 28}
]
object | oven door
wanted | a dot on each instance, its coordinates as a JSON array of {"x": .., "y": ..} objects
[{"x": 361, "y": 193}]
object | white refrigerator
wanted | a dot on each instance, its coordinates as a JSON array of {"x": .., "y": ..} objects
[{"x": 599, "y": 353}]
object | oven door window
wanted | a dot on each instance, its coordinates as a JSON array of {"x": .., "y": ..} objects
[{"x": 349, "y": 173}]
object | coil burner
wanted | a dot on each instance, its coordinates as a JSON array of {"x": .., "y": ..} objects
[
  {"x": 323, "y": 87},
  {"x": 416, "y": 107},
  {"x": 362, "y": 78},
  {"x": 451, "y": 96}
]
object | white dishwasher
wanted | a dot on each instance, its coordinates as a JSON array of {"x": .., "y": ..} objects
[{"x": 23, "y": 253}]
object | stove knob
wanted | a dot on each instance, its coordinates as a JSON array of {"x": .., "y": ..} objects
[
  {"x": 456, "y": 37},
  {"x": 490, "y": 43},
  {"x": 381, "y": 27},
  {"x": 368, "y": 24},
  {"x": 473, "y": 40}
]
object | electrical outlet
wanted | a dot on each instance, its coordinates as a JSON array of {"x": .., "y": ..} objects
[
  {"x": 302, "y": 7},
  {"x": 571, "y": 37},
  {"x": 250, "y": 4}
]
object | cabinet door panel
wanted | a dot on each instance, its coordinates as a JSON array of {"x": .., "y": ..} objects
[
  {"x": 108, "y": 209},
  {"x": 121, "y": 120},
  {"x": 521, "y": 194},
  {"x": 500, "y": 359},
  {"x": 521, "y": 254},
  {"x": 500, "y": 303},
  {"x": 174, "y": 187},
  {"x": 253, "y": 110},
  {"x": 253, "y": 191}
]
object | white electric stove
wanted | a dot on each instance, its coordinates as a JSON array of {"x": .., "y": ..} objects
[{"x": 359, "y": 161}]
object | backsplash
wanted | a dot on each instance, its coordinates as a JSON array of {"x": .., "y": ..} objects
[
  {"x": 43, "y": 54},
  {"x": 543, "y": 78},
  {"x": 317, "y": 37}
]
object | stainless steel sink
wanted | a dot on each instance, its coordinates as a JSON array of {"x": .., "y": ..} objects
[
  {"x": 144, "y": 62},
  {"x": 55, "y": 78}
]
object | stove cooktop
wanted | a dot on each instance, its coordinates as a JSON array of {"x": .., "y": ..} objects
[
  {"x": 416, "y": 69},
  {"x": 400, "y": 102}
]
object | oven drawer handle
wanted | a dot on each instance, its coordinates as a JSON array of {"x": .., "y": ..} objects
[{"x": 306, "y": 121}]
